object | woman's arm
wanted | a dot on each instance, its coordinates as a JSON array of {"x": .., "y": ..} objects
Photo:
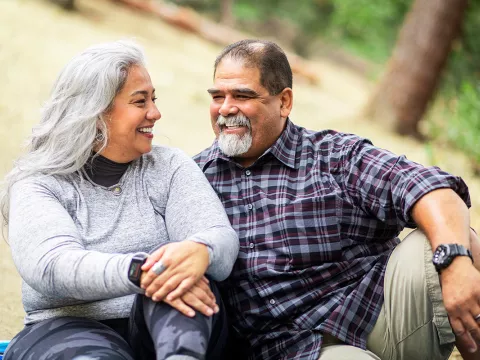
[
  {"x": 194, "y": 212},
  {"x": 200, "y": 231},
  {"x": 49, "y": 252}
]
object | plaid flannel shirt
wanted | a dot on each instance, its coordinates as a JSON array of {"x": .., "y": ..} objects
[{"x": 318, "y": 215}]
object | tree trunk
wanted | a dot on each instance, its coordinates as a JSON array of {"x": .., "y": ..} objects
[
  {"x": 414, "y": 70},
  {"x": 226, "y": 13}
]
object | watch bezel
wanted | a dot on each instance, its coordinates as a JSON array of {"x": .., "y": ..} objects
[
  {"x": 441, "y": 261},
  {"x": 444, "y": 255},
  {"x": 135, "y": 268}
]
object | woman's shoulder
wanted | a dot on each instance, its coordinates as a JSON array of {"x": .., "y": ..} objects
[
  {"x": 38, "y": 180},
  {"x": 166, "y": 152},
  {"x": 162, "y": 156},
  {"x": 162, "y": 162},
  {"x": 55, "y": 184}
]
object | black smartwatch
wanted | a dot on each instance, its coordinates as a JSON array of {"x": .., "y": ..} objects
[
  {"x": 445, "y": 253},
  {"x": 135, "y": 268}
]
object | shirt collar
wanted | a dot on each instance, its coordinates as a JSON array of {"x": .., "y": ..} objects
[
  {"x": 284, "y": 149},
  {"x": 215, "y": 154}
]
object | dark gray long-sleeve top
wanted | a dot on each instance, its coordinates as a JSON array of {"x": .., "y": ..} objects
[{"x": 72, "y": 240}]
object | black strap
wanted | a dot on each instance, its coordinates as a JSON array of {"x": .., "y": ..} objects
[{"x": 462, "y": 250}]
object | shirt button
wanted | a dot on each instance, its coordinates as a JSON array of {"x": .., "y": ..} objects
[
  {"x": 250, "y": 206},
  {"x": 252, "y": 245},
  {"x": 117, "y": 190},
  {"x": 248, "y": 173},
  {"x": 272, "y": 301}
]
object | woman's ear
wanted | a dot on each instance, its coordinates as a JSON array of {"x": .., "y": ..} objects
[{"x": 286, "y": 102}]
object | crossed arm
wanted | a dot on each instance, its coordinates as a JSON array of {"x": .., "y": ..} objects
[
  {"x": 52, "y": 258},
  {"x": 182, "y": 285}
]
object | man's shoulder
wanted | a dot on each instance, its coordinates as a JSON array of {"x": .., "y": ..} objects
[
  {"x": 330, "y": 139},
  {"x": 202, "y": 157}
]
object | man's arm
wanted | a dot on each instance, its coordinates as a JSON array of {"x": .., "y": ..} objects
[{"x": 444, "y": 218}]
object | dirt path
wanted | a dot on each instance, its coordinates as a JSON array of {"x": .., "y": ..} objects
[{"x": 37, "y": 39}]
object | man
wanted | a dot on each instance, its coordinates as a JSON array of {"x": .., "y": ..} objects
[{"x": 318, "y": 215}]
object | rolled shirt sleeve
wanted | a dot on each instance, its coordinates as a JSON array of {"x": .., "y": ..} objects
[{"x": 388, "y": 186}]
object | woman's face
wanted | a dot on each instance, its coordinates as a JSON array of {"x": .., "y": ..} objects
[{"x": 132, "y": 117}]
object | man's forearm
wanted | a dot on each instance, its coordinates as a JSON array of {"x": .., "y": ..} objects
[{"x": 443, "y": 217}]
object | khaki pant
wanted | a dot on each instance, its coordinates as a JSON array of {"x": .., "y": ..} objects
[{"x": 413, "y": 323}]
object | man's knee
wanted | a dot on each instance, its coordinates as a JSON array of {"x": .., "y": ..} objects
[
  {"x": 407, "y": 264},
  {"x": 414, "y": 320},
  {"x": 346, "y": 352},
  {"x": 413, "y": 244}
]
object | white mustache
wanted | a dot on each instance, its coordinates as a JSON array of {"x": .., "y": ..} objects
[{"x": 235, "y": 120}]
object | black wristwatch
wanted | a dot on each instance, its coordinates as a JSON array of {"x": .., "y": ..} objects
[
  {"x": 135, "y": 268},
  {"x": 445, "y": 253}
]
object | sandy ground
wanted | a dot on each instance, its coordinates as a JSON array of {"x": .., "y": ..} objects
[{"x": 37, "y": 39}]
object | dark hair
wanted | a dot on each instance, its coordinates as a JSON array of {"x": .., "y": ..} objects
[{"x": 266, "y": 56}]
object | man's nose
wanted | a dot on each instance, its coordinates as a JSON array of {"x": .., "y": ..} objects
[{"x": 228, "y": 108}]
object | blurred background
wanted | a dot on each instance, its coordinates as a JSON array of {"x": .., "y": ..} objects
[{"x": 403, "y": 73}]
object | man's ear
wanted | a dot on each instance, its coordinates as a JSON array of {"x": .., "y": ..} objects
[{"x": 286, "y": 102}]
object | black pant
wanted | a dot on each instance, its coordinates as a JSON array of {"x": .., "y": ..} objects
[{"x": 153, "y": 331}]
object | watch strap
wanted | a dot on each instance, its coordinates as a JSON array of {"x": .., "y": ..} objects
[
  {"x": 453, "y": 250},
  {"x": 460, "y": 250}
]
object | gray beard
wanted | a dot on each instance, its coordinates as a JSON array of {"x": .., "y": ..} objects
[
  {"x": 231, "y": 144},
  {"x": 234, "y": 145}
]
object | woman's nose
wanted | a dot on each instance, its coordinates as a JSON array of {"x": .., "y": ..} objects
[{"x": 153, "y": 113}]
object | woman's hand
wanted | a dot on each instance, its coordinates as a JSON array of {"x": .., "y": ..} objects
[
  {"x": 199, "y": 298},
  {"x": 185, "y": 263}
]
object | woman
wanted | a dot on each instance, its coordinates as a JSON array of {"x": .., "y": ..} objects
[{"x": 87, "y": 205}]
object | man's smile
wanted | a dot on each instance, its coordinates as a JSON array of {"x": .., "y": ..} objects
[{"x": 234, "y": 129}]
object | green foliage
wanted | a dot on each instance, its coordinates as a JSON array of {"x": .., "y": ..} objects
[
  {"x": 309, "y": 18},
  {"x": 463, "y": 128},
  {"x": 367, "y": 27},
  {"x": 461, "y": 86},
  {"x": 465, "y": 58},
  {"x": 303, "y": 13}
]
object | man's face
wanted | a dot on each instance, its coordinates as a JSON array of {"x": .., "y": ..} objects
[{"x": 245, "y": 118}]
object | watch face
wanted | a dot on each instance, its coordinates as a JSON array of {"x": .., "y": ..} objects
[
  {"x": 135, "y": 269},
  {"x": 441, "y": 255}
]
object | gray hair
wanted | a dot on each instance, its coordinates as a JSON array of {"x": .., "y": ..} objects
[
  {"x": 267, "y": 57},
  {"x": 72, "y": 121}
]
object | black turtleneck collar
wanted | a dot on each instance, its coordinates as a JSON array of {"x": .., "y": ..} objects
[{"x": 105, "y": 172}]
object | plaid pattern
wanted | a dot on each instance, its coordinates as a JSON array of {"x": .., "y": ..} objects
[{"x": 318, "y": 216}]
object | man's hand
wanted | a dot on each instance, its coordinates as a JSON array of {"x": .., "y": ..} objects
[
  {"x": 185, "y": 262},
  {"x": 199, "y": 298},
  {"x": 461, "y": 296},
  {"x": 444, "y": 218},
  {"x": 461, "y": 299}
]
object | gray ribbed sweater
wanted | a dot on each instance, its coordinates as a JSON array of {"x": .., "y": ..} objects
[{"x": 72, "y": 240}]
